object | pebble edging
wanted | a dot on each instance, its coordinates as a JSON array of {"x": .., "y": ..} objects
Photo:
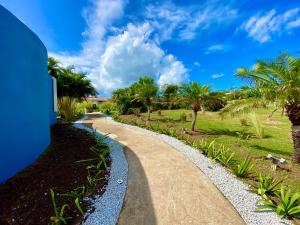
[
  {"x": 109, "y": 205},
  {"x": 230, "y": 186}
]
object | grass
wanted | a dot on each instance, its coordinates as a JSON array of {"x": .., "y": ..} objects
[{"x": 277, "y": 137}]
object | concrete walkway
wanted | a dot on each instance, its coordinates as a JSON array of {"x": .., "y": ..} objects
[{"x": 165, "y": 188}]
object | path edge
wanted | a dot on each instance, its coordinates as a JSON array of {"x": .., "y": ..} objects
[
  {"x": 233, "y": 189},
  {"x": 108, "y": 206}
]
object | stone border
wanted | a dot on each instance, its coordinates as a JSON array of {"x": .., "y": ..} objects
[
  {"x": 108, "y": 206},
  {"x": 230, "y": 186}
]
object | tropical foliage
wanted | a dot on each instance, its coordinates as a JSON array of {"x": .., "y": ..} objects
[
  {"x": 69, "y": 82},
  {"x": 279, "y": 82},
  {"x": 195, "y": 95}
]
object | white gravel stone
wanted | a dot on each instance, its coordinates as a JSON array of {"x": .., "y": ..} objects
[
  {"x": 109, "y": 205},
  {"x": 232, "y": 188}
]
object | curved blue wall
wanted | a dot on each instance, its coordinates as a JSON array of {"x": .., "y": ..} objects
[{"x": 26, "y": 110}]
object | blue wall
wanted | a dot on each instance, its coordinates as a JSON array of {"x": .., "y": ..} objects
[{"x": 25, "y": 96}]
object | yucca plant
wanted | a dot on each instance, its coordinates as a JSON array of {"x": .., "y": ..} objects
[
  {"x": 225, "y": 156},
  {"x": 60, "y": 216},
  {"x": 67, "y": 108},
  {"x": 244, "y": 168},
  {"x": 288, "y": 206},
  {"x": 268, "y": 185}
]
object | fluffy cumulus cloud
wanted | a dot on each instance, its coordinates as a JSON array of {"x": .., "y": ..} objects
[
  {"x": 132, "y": 54},
  {"x": 118, "y": 60},
  {"x": 263, "y": 26}
]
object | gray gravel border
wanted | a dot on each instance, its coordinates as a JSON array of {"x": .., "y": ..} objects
[
  {"x": 109, "y": 205},
  {"x": 232, "y": 188}
]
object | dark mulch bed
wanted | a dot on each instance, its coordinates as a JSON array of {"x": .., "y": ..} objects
[{"x": 25, "y": 198}]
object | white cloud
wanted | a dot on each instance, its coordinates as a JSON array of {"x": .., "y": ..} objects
[
  {"x": 217, "y": 48},
  {"x": 116, "y": 61},
  {"x": 217, "y": 75},
  {"x": 262, "y": 27},
  {"x": 183, "y": 22},
  {"x": 196, "y": 64},
  {"x": 133, "y": 54},
  {"x": 293, "y": 24},
  {"x": 99, "y": 16}
]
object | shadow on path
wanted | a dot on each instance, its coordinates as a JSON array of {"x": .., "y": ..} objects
[{"x": 138, "y": 207}]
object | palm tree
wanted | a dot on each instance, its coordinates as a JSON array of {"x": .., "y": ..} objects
[
  {"x": 146, "y": 91},
  {"x": 279, "y": 81},
  {"x": 53, "y": 67},
  {"x": 195, "y": 95}
]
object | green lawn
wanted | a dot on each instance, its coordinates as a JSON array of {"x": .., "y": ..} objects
[{"x": 210, "y": 127}]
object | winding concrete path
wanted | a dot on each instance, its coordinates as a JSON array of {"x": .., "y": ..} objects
[{"x": 165, "y": 188}]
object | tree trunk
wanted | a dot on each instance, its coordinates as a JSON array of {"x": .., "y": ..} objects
[
  {"x": 194, "y": 120},
  {"x": 296, "y": 142},
  {"x": 148, "y": 117}
]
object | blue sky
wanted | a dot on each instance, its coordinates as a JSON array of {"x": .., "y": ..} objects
[{"x": 117, "y": 41}]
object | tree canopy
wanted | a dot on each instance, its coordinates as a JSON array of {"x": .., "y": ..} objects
[{"x": 69, "y": 82}]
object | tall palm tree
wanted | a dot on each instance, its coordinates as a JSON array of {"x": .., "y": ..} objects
[
  {"x": 279, "y": 81},
  {"x": 146, "y": 91},
  {"x": 54, "y": 67},
  {"x": 195, "y": 95}
]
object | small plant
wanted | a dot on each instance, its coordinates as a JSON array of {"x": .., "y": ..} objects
[
  {"x": 225, "y": 156},
  {"x": 60, "y": 216},
  {"x": 259, "y": 130},
  {"x": 243, "y": 134},
  {"x": 267, "y": 186},
  {"x": 77, "y": 195},
  {"x": 244, "y": 168},
  {"x": 288, "y": 206},
  {"x": 206, "y": 146},
  {"x": 183, "y": 117}
]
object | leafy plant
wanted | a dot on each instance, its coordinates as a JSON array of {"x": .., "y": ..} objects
[
  {"x": 288, "y": 206},
  {"x": 60, "y": 216},
  {"x": 225, "y": 156},
  {"x": 206, "y": 146},
  {"x": 77, "y": 195},
  {"x": 259, "y": 130},
  {"x": 243, "y": 134},
  {"x": 244, "y": 168},
  {"x": 267, "y": 186}
]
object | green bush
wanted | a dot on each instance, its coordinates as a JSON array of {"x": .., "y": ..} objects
[
  {"x": 108, "y": 108},
  {"x": 86, "y": 106},
  {"x": 183, "y": 117},
  {"x": 288, "y": 206}
]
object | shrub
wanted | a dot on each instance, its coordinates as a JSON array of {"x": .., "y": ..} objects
[
  {"x": 108, "y": 108},
  {"x": 214, "y": 105},
  {"x": 244, "y": 168},
  {"x": 85, "y": 106},
  {"x": 183, "y": 117},
  {"x": 267, "y": 186},
  {"x": 259, "y": 130},
  {"x": 135, "y": 111},
  {"x": 288, "y": 206},
  {"x": 67, "y": 108}
]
